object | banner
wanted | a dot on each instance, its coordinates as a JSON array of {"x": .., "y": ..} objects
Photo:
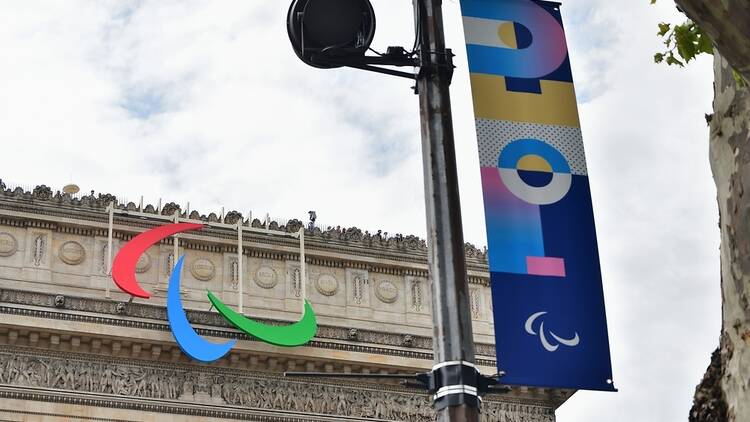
[{"x": 550, "y": 324}]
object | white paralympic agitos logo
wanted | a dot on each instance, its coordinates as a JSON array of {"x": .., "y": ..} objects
[{"x": 543, "y": 336}]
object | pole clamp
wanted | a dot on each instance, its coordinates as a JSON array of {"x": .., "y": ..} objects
[
  {"x": 437, "y": 64},
  {"x": 454, "y": 383}
]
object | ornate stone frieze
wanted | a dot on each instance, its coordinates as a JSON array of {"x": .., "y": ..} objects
[
  {"x": 386, "y": 291},
  {"x": 72, "y": 253},
  {"x": 192, "y": 384},
  {"x": 203, "y": 269},
  {"x": 8, "y": 244},
  {"x": 327, "y": 285}
]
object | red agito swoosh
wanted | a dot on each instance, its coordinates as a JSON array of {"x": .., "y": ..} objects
[{"x": 123, "y": 267}]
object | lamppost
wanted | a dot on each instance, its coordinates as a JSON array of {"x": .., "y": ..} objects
[{"x": 335, "y": 33}]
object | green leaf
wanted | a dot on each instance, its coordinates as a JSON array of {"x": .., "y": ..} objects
[
  {"x": 705, "y": 45},
  {"x": 663, "y": 29},
  {"x": 686, "y": 41},
  {"x": 672, "y": 60},
  {"x": 658, "y": 57}
]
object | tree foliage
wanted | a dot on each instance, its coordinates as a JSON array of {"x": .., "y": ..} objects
[
  {"x": 685, "y": 40},
  {"x": 683, "y": 43}
]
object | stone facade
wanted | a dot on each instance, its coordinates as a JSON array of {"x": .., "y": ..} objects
[{"x": 73, "y": 345}]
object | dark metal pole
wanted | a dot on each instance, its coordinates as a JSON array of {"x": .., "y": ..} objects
[{"x": 456, "y": 383}]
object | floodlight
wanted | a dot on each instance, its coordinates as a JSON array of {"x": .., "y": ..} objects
[{"x": 330, "y": 28}]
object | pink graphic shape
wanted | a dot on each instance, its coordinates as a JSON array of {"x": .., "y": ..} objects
[{"x": 540, "y": 265}]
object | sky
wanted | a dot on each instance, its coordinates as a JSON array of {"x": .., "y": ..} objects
[{"x": 205, "y": 102}]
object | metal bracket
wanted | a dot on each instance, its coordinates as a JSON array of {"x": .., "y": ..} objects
[{"x": 395, "y": 56}]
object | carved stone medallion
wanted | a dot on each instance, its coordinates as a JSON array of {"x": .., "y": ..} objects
[
  {"x": 386, "y": 291},
  {"x": 203, "y": 269},
  {"x": 143, "y": 264},
  {"x": 72, "y": 253},
  {"x": 327, "y": 285},
  {"x": 8, "y": 244},
  {"x": 266, "y": 277}
]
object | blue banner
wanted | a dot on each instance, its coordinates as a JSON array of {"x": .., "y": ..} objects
[{"x": 550, "y": 323}]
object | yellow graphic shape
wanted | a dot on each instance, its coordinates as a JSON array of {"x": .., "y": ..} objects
[
  {"x": 507, "y": 33},
  {"x": 533, "y": 162},
  {"x": 556, "y": 105}
]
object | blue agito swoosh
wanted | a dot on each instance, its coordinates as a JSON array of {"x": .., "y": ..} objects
[{"x": 189, "y": 341}]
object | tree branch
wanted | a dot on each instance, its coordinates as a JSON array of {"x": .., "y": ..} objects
[{"x": 727, "y": 22}]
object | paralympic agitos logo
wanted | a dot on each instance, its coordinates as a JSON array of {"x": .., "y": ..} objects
[{"x": 191, "y": 343}]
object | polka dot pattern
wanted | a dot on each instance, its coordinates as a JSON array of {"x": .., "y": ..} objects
[{"x": 494, "y": 135}]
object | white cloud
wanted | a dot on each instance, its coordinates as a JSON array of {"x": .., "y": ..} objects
[{"x": 205, "y": 102}]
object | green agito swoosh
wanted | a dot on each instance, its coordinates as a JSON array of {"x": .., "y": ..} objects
[{"x": 290, "y": 335}]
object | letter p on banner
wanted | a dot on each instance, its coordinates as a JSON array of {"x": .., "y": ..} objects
[{"x": 550, "y": 322}]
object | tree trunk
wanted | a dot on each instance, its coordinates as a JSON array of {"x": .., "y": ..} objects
[
  {"x": 727, "y": 22},
  {"x": 730, "y": 162}
]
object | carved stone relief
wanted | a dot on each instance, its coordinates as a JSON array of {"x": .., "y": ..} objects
[
  {"x": 101, "y": 261},
  {"x": 358, "y": 292},
  {"x": 203, "y": 269},
  {"x": 72, "y": 253},
  {"x": 143, "y": 264},
  {"x": 327, "y": 285},
  {"x": 475, "y": 303},
  {"x": 8, "y": 244},
  {"x": 294, "y": 279},
  {"x": 169, "y": 266},
  {"x": 237, "y": 388},
  {"x": 358, "y": 288},
  {"x": 386, "y": 291},
  {"x": 416, "y": 294},
  {"x": 234, "y": 273},
  {"x": 38, "y": 249},
  {"x": 266, "y": 277}
]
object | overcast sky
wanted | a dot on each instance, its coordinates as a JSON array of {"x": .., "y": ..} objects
[{"x": 204, "y": 101}]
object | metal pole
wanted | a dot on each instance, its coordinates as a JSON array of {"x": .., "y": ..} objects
[
  {"x": 302, "y": 269},
  {"x": 240, "y": 307},
  {"x": 176, "y": 242},
  {"x": 456, "y": 397},
  {"x": 111, "y": 210}
]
